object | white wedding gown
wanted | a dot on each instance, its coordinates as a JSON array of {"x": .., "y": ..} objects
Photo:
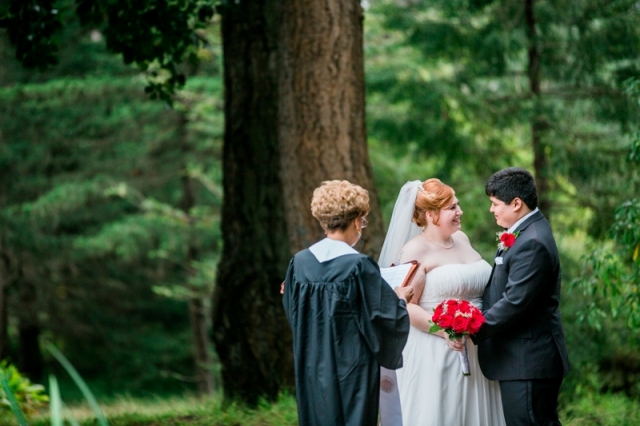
[{"x": 433, "y": 390}]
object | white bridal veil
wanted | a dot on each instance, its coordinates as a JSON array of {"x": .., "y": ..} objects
[{"x": 401, "y": 229}]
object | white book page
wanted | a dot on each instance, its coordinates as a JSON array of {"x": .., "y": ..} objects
[{"x": 395, "y": 275}]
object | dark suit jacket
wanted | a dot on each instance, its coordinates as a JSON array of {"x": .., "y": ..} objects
[{"x": 523, "y": 338}]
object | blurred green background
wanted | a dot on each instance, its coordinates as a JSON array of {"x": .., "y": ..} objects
[{"x": 97, "y": 247}]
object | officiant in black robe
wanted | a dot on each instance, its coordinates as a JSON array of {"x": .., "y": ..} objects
[{"x": 346, "y": 320}]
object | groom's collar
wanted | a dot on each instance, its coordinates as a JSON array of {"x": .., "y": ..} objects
[{"x": 520, "y": 221}]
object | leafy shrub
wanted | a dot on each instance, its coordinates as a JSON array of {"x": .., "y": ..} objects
[{"x": 29, "y": 396}]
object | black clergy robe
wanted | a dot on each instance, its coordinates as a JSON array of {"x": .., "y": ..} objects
[{"x": 346, "y": 322}]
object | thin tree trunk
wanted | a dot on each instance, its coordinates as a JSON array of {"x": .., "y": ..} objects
[
  {"x": 29, "y": 356},
  {"x": 203, "y": 361},
  {"x": 7, "y": 278},
  {"x": 294, "y": 110},
  {"x": 201, "y": 355},
  {"x": 4, "y": 319},
  {"x": 538, "y": 123}
]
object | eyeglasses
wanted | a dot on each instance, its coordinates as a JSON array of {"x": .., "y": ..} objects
[{"x": 365, "y": 222}]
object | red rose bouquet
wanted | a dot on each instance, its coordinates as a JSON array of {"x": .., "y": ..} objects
[{"x": 458, "y": 318}]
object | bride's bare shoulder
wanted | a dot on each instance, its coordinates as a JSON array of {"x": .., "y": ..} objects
[
  {"x": 414, "y": 249},
  {"x": 462, "y": 237},
  {"x": 416, "y": 242},
  {"x": 463, "y": 240}
]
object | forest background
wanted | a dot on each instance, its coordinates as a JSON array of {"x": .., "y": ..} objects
[{"x": 111, "y": 202}]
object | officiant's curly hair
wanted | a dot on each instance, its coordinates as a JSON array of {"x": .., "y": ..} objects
[
  {"x": 433, "y": 196},
  {"x": 337, "y": 203}
]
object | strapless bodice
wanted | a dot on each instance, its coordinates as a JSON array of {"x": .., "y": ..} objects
[{"x": 455, "y": 281}]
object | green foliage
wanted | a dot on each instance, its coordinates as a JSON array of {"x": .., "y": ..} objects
[
  {"x": 447, "y": 82},
  {"x": 31, "y": 26},
  {"x": 157, "y": 35},
  {"x": 91, "y": 202},
  {"x": 601, "y": 410},
  {"x": 56, "y": 402},
  {"x": 86, "y": 392},
  {"x": 18, "y": 394},
  {"x": 611, "y": 275},
  {"x": 58, "y": 410}
]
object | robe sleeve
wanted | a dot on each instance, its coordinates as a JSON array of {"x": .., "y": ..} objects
[
  {"x": 382, "y": 316},
  {"x": 288, "y": 284}
]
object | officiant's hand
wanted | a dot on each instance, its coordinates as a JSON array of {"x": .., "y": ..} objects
[{"x": 405, "y": 293}]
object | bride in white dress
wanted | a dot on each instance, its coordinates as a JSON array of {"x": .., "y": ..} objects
[{"x": 425, "y": 226}]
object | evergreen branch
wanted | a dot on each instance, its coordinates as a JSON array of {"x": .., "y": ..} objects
[
  {"x": 198, "y": 174},
  {"x": 564, "y": 95}
]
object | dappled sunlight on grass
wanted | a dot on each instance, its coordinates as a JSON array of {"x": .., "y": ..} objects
[{"x": 123, "y": 405}]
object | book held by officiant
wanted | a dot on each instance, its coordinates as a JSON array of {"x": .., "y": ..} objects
[{"x": 400, "y": 275}]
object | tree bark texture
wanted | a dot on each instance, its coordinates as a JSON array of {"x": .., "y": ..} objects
[
  {"x": 322, "y": 111},
  {"x": 294, "y": 110},
  {"x": 538, "y": 123},
  {"x": 250, "y": 332}
]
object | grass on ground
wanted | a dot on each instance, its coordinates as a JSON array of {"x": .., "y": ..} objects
[{"x": 190, "y": 410}]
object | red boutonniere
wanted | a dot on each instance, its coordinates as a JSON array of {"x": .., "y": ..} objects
[{"x": 506, "y": 239}]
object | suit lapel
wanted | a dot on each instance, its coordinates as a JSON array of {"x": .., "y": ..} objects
[
  {"x": 533, "y": 218},
  {"x": 492, "y": 269},
  {"x": 521, "y": 228},
  {"x": 524, "y": 225}
]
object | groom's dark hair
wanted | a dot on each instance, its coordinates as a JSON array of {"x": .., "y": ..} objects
[{"x": 513, "y": 182}]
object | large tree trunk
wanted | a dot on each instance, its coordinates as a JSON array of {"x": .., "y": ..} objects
[
  {"x": 322, "y": 111},
  {"x": 294, "y": 110},
  {"x": 250, "y": 331},
  {"x": 538, "y": 122}
]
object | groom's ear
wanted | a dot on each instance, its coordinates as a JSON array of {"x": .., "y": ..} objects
[{"x": 517, "y": 204}]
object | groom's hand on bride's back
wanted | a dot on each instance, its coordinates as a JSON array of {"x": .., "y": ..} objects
[{"x": 405, "y": 293}]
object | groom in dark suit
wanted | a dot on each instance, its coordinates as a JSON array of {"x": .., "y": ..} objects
[{"x": 522, "y": 342}]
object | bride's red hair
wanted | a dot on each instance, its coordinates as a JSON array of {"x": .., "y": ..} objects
[{"x": 433, "y": 196}]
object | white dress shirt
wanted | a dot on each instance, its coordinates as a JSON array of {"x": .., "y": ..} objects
[{"x": 522, "y": 219}]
